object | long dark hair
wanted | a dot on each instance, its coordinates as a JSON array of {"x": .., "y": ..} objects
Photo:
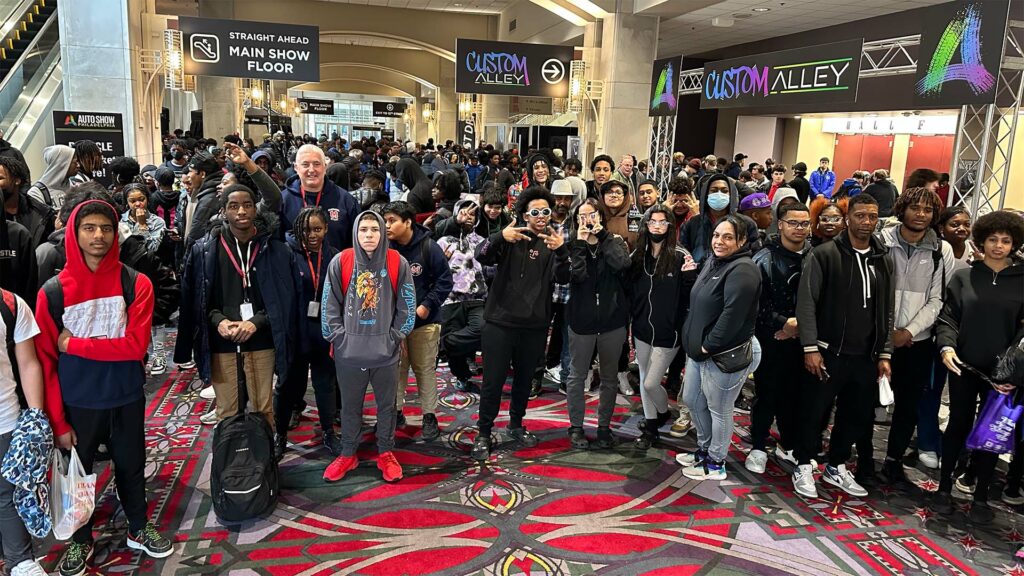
[
  {"x": 575, "y": 214},
  {"x": 301, "y": 224},
  {"x": 666, "y": 258}
]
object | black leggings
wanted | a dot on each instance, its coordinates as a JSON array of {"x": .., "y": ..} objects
[{"x": 964, "y": 393}]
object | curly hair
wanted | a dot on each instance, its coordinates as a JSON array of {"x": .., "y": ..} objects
[
  {"x": 533, "y": 193},
  {"x": 16, "y": 169},
  {"x": 918, "y": 195},
  {"x": 1000, "y": 221},
  {"x": 819, "y": 204},
  {"x": 680, "y": 185}
]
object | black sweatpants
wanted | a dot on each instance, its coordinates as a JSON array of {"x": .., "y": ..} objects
[
  {"x": 776, "y": 392},
  {"x": 290, "y": 391},
  {"x": 122, "y": 429},
  {"x": 852, "y": 386},
  {"x": 964, "y": 393},
  {"x": 462, "y": 325},
  {"x": 911, "y": 374},
  {"x": 502, "y": 346}
]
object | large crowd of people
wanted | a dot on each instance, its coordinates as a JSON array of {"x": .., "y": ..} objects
[{"x": 351, "y": 263}]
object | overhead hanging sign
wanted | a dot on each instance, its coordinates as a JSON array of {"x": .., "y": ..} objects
[
  {"x": 512, "y": 69},
  {"x": 664, "y": 91},
  {"x": 242, "y": 49},
  {"x": 103, "y": 128},
  {"x": 529, "y": 105},
  {"x": 313, "y": 106},
  {"x": 388, "y": 109},
  {"x": 811, "y": 75},
  {"x": 961, "y": 47}
]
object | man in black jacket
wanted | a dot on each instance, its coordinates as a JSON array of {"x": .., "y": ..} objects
[
  {"x": 530, "y": 259},
  {"x": 203, "y": 176},
  {"x": 845, "y": 317},
  {"x": 18, "y": 206},
  {"x": 776, "y": 390}
]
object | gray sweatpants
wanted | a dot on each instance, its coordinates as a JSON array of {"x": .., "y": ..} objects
[
  {"x": 17, "y": 544},
  {"x": 653, "y": 363},
  {"x": 581, "y": 350},
  {"x": 353, "y": 382}
]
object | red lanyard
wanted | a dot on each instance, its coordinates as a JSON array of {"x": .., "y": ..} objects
[
  {"x": 244, "y": 273},
  {"x": 316, "y": 274},
  {"x": 302, "y": 192}
]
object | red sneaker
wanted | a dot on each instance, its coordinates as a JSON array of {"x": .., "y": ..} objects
[
  {"x": 387, "y": 464},
  {"x": 342, "y": 465}
]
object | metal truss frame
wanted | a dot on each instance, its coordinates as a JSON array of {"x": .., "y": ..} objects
[{"x": 662, "y": 136}]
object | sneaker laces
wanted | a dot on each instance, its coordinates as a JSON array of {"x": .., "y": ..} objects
[
  {"x": 76, "y": 552},
  {"x": 149, "y": 532},
  {"x": 388, "y": 459}
]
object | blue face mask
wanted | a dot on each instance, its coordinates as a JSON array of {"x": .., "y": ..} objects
[{"x": 718, "y": 200}]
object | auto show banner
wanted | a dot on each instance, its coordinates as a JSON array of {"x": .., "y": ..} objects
[
  {"x": 388, "y": 109},
  {"x": 103, "y": 128},
  {"x": 512, "y": 69},
  {"x": 466, "y": 133},
  {"x": 961, "y": 46},
  {"x": 664, "y": 88},
  {"x": 811, "y": 75},
  {"x": 314, "y": 106},
  {"x": 242, "y": 49}
]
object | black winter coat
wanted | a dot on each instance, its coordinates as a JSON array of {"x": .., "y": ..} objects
[
  {"x": 597, "y": 296},
  {"x": 723, "y": 305}
]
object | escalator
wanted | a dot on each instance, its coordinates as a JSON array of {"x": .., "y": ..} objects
[
  {"x": 22, "y": 26},
  {"x": 30, "y": 69}
]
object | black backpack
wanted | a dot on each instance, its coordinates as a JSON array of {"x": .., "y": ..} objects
[{"x": 244, "y": 474}]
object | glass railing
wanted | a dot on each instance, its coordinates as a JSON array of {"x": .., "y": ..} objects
[
  {"x": 27, "y": 77},
  {"x": 12, "y": 10}
]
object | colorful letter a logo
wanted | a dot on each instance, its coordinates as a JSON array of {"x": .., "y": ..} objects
[{"x": 963, "y": 32}]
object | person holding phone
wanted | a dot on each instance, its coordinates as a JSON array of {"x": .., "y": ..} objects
[{"x": 983, "y": 314}]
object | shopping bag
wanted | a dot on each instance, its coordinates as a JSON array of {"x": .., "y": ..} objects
[
  {"x": 72, "y": 494},
  {"x": 885, "y": 395},
  {"x": 994, "y": 429}
]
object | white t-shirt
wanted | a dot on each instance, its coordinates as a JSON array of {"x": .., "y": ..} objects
[{"x": 25, "y": 329}]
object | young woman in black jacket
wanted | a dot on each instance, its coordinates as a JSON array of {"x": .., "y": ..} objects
[
  {"x": 660, "y": 279},
  {"x": 724, "y": 303},
  {"x": 598, "y": 312}
]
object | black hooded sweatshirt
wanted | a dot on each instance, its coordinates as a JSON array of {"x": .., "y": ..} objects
[
  {"x": 723, "y": 305},
  {"x": 418, "y": 185},
  {"x": 659, "y": 304},
  {"x": 597, "y": 297}
]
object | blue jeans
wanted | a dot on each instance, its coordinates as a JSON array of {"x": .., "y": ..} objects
[
  {"x": 710, "y": 395},
  {"x": 929, "y": 438}
]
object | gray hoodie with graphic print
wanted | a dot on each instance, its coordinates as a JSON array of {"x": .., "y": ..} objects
[{"x": 367, "y": 321}]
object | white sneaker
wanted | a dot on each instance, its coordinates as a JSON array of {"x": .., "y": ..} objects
[
  {"x": 928, "y": 459},
  {"x": 208, "y": 393},
  {"x": 785, "y": 455},
  {"x": 687, "y": 459},
  {"x": 706, "y": 470},
  {"x": 159, "y": 365},
  {"x": 187, "y": 365},
  {"x": 28, "y": 568},
  {"x": 624, "y": 388},
  {"x": 803, "y": 481},
  {"x": 682, "y": 425},
  {"x": 842, "y": 478},
  {"x": 756, "y": 461},
  {"x": 210, "y": 418},
  {"x": 554, "y": 374}
]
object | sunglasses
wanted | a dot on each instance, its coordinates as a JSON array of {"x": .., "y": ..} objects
[{"x": 539, "y": 212}]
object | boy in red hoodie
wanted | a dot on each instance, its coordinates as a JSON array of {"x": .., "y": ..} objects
[{"x": 93, "y": 369}]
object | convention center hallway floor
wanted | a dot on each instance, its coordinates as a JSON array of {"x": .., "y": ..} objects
[{"x": 546, "y": 510}]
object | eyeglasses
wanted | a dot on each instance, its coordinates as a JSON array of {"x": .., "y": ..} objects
[
  {"x": 798, "y": 224},
  {"x": 615, "y": 192},
  {"x": 831, "y": 219},
  {"x": 657, "y": 223},
  {"x": 539, "y": 212}
]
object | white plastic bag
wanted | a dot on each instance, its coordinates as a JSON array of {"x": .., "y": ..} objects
[
  {"x": 885, "y": 397},
  {"x": 72, "y": 494}
]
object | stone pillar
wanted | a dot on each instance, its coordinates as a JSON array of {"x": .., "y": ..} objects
[
  {"x": 218, "y": 96},
  {"x": 447, "y": 104},
  {"x": 421, "y": 128},
  {"x": 97, "y": 60},
  {"x": 495, "y": 111},
  {"x": 628, "y": 48}
]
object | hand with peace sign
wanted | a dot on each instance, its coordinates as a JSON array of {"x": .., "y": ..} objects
[{"x": 513, "y": 233}]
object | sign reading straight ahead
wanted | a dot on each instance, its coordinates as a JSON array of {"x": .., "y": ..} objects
[
  {"x": 811, "y": 75},
  {"x": 512, "y": 69},
  {"x": 241, "y": 49}
]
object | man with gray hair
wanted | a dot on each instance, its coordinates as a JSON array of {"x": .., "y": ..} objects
[{"x": 309, "y": 187}]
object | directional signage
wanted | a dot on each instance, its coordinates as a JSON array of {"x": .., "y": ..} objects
[
  {"x": 810, "y": 75},
  {"x": 388, "y": 109},
  {"x": 512, "y": 69},
  {"x": 664, "y": 89},
  {"x": 103, "y": 128},
  {"x": 242, "y": 49},
  {"x": 313, "y": 106}
]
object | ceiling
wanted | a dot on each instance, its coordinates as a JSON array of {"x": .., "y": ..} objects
[
  {"x": 468, "y": 6},
  {"x": 693, "y": 33},
  {"x": 353, "y": 40}
]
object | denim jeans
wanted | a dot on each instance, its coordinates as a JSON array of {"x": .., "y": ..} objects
[
  {"x": 929, "y": 437},
  {"x": 710, "y": 395}
]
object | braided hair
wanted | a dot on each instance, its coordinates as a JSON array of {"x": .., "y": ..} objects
[{"x": 301, "y": 225}]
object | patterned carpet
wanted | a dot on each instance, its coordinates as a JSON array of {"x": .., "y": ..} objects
[{"x": 546, "y": 510}]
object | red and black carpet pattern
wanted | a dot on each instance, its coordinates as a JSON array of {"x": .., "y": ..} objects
[{"x": 548, "y": 510}]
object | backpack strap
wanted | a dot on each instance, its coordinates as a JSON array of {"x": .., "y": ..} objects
[
  {"x": 393, "y": 264},
  {"x": 55, "y": 294},
  {"x": 9, "y": 314},
  {"x": 45, "y": 191},
  {"x": 394, "y": 261}
]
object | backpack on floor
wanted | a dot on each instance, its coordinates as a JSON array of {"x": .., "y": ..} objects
[{"x": 243, "y": 477}]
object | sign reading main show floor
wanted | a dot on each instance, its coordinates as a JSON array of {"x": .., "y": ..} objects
[{"x": 241, "y": 49}]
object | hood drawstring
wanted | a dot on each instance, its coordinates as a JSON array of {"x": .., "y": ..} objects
[{"x": 865, "y": 280}]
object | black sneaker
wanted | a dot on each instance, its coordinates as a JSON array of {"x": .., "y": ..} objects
[
  {"x": 647, "y": 438},
  {"x": 942, "y": 503},
  {"x": 280, "y": 445},
  {"x": 577, "y": 438},
  {"x": 151, "y": 542},
  {"x": 743, "y": 404},
  {"x": 604, "y": 440},
  {"x": 466, "y": 386},
  {"x": 332, "y": 443},
  {"x": 981, "y": 513},
  {"x": 430, "y": 428},
  {"x": 894, "y": 475},
  {"x": 75, "y": 557},
  {"x": 294, "y": 420},
  {"x": 523, "y": 436},
  {"x": 399, "y": 419},
  {"x": 535, "y": 387},
  {"x": 481, "y": 448}
]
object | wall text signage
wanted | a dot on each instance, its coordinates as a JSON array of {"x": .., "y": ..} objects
[
  {"x": 103, "y": 128},
  {"x": 242, "y": 49},
  {"x": 512, "y": 69}
]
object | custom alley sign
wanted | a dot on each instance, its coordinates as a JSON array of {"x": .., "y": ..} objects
[
  {"x": 815, "y": 74},
  {"x": 511, "y": 68},
  {"x": 241, "y": 49}
]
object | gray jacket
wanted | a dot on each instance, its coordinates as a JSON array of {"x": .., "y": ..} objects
[
  {"x": 367, "y": 321},
  {"x": 919, "y": 285}
]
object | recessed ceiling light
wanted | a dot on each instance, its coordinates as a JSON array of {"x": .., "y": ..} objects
[
  {"x": 457, "y": 5},
  {"x": 760, "y": 9}
]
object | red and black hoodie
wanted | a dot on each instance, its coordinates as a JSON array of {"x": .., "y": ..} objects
[{"x": 103, "y": 366}]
